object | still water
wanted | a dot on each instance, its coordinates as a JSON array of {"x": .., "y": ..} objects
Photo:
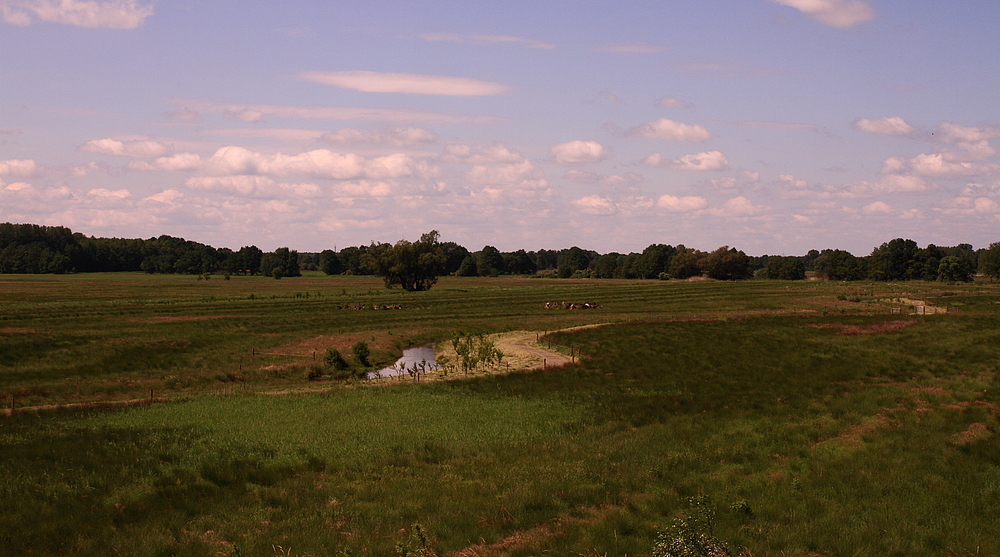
[{"x": 411, "y": 357}]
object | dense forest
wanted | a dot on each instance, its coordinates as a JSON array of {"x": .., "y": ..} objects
[{"x": 29, "y": 248}]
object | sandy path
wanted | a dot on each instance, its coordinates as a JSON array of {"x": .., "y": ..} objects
[
  {"x": 528, "y": 354},
  {"x": 520, "y": 349}
]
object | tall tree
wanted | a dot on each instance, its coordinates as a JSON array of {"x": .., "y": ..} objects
[
  {"x": 413, "y": 266},
  {"x": 728, "y": 263}
]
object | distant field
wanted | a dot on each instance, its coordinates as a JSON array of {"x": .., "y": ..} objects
[{"x": 814, "y": 419}]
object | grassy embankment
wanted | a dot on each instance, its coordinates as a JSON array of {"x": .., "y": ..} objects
[{"x": 808, "y": 440}]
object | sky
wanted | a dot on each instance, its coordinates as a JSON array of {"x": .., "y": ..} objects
[{"x": 772, "y": 126}]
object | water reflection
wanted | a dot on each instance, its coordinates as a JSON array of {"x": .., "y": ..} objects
[{"x": 420, "y": 358}]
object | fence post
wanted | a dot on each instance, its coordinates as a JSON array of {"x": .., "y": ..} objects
[
  {"x": 543, "y": 364},
  {"x": 151, "y": 395}
]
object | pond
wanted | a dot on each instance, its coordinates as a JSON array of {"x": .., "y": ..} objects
[{"x": 422, "y": 357}]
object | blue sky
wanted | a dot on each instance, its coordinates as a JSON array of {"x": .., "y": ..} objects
[{"x": 775, "y": 126}]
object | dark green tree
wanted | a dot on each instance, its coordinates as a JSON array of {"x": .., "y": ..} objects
[
  {"x": 989, "y": 261},
  {"x": 784, "y": 268},
  {"x": 728, "y": 263},
  {"x": 329, "y": 262},
  {"x": 686, "y": 263},
  {"x": 413, "y": 266},
  {"x": 468, "y": 267},
  {"x": 893, "y": 260},
  {"x": 489, "y": 262},
  {"x": 841, "y": 265},
  {"x": 954, "y": 269}
]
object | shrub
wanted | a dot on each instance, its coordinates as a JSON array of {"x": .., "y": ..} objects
[
  {"x": 361, "y": 352},
  {"x": 334, "y": 359}
]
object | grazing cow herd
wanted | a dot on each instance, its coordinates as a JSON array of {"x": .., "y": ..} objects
[
  {"x": 567, "y": 305},
  {"x": 360, "y": 307}
]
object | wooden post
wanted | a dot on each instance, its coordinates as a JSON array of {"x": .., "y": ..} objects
[
  {"x": 543, "y": 364},
  {"x": 314, "y": 355},
  {"x": 151, "y": 395}
]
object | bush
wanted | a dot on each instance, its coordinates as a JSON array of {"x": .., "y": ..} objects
[
  {"x": 315, "y": 373},
  {"x": 334, "y": 359},
  {"x": 361, "y": 352}
]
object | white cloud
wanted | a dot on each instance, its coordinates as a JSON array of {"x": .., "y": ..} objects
[
  {"x": 522, "y": 176},
  {"x": 243, "y": 185},
  {"x": 969, "y": 206},
  {"x": 318, "y": 163},
  {"x": 876, "y": 207},
  {"x": 712, "y": 160},
  {"x": 133, "y": 148},
  {"x": 166, "y": 196},
  {"x": 81, "y": 170},
  {"x": 596, "y": 205},
  {"x": 108, "y": 194},
  {"x": 181, "y": 162},
  {"x": 892, "y": 183},
  {"x": 951, "y": 132},
  {"x": 664, "y": 128},
  {"x": 380, "y": 82},
  {"x": 893, "y": 125},
  {"x": 363, "y": 188},
  {"x": 671, "y": 102},
  {"x": 981, "y": 190},
  {"x": 331, "y": 113},
  {"x": 835, "y": 13},
  {"x": 21, "y": 168},
  {"x": 969, "y": 152},
  {"x": 390, "y": 136},
  {"x": 792, "y": 181},
  {"x": 17, "y": 186},
  {"x": 631, "y": 48},
  {"x": 110, "y": 14},
  {"x": 655, "y": 159},
  {"x": 573, "y": 152},
  {"x": 682, "y": 204},
  {"x": 457, "y": 38},
  {"x": 936, "y": 165},
  {"x": 481, "y": 154},
  {"x": 736, "y": 207}
]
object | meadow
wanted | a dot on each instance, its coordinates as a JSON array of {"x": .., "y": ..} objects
[{"x": 802, "y": 418}]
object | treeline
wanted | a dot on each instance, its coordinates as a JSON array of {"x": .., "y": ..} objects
[
  {"x": 28, "y": 248},
  {"x": 898, "y": 259}
]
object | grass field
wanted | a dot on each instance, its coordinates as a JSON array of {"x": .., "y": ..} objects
[{"x": 813, "y": 419}]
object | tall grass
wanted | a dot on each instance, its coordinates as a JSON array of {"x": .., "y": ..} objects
[{"x": 808, "y": 441}]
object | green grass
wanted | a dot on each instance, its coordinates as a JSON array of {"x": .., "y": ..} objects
[{"x": 806, "y": 440}]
